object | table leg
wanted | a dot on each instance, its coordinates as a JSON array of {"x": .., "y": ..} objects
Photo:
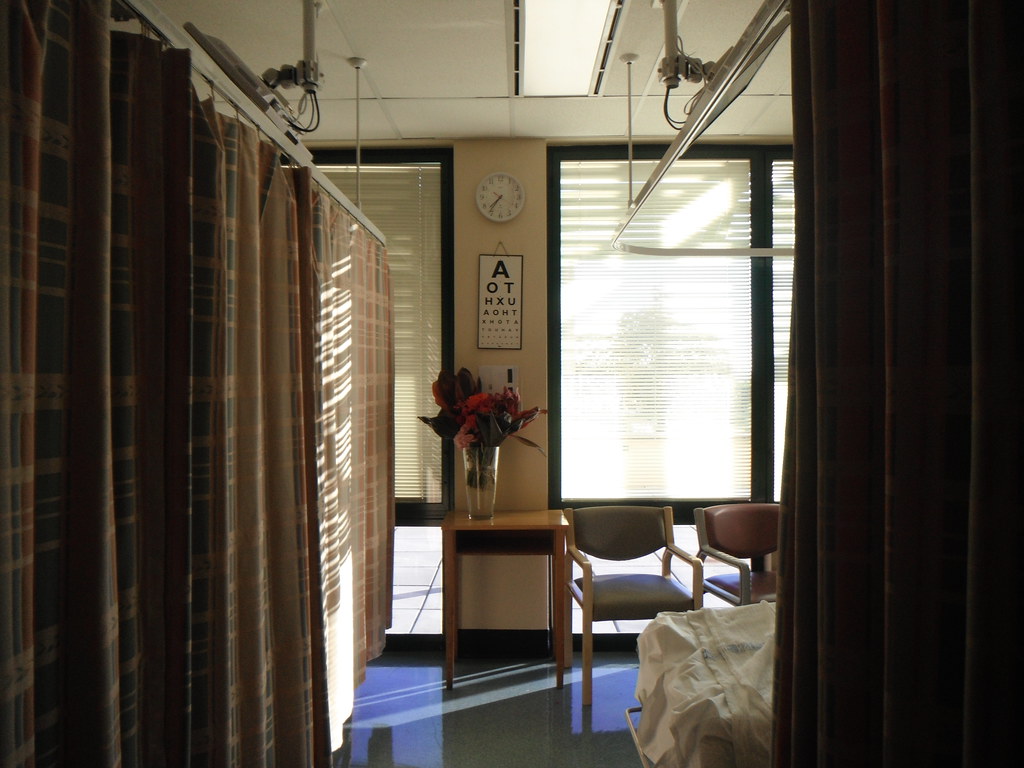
[
  {"x": 450, "y": 605},
  {"x": 558, "y": 604}
]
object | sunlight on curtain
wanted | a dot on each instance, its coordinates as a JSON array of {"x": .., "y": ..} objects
[
  {"x": 404, "y": 201},
  {"x": 354, "y": 358}
]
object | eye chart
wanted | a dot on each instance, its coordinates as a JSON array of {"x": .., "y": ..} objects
[{"x": 500, "y": 313}]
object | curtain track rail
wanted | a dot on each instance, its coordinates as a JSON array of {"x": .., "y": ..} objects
[{"x": 204, "y": 65}]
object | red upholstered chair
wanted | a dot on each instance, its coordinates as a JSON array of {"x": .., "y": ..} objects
[
  {"x": 625, "y": 533},
  {"x": 733, "y": 534}
]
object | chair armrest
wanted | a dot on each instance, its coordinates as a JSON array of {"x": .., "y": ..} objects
[
  {"x": 698, "y": 571},
  {"x": 581, "y": 559},
  {"x": 735, "y": 562},
  {"x": 580, "y": 595}
]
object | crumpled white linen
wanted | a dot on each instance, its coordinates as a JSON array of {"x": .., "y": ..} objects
[{"x": 705, "y": 685}]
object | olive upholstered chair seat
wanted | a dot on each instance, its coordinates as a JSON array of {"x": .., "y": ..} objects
[{"x": 624, "y": 533}]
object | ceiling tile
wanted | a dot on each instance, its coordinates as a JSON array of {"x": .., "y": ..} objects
[{"x": 441, "y": 68}]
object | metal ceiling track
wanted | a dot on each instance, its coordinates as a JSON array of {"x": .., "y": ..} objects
[
  {"x": 729, "y": 77},
  {"x": 226, "y": 73}
]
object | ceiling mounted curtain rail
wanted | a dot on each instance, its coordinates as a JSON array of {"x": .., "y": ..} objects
[
  {"x": 729, "y": 78},
  {"x": 211, "y": 71}
]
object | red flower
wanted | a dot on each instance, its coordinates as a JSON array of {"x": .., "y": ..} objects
[
  {"x": 469, "y": 416},
  {"x": 481, "y": 402}
]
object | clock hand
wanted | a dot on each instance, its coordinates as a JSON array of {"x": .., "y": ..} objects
[{"x": 491, "y": 207}]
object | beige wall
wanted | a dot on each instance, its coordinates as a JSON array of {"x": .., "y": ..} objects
[
  {"x": 522, "y": 471},
  {"x": 516, "y": 587}
]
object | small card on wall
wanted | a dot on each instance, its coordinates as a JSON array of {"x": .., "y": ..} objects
[{"x": 500, "y": 313}]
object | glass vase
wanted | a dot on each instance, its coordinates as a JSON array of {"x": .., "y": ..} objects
[{"x": 481, "y": 464}]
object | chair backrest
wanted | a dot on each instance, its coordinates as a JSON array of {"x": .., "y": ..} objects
[
  {"x": 744, "y": 530},
  {"x": 618, "y": 532}
]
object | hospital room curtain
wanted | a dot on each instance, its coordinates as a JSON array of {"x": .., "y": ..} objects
[
  {"x": 252, "y": 669},
  {"x": 160, "y": 392},
  {"x": 354, "y": 362},
  {"x": 901, "y": 494}
]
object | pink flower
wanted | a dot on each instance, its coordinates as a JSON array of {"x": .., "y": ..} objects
[{"x": 463, "y": 439}]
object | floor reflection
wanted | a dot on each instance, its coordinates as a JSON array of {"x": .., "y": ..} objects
[{"x": 500, "y": 714}]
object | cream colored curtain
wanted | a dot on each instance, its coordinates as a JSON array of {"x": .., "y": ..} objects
[{"x": 355, "y": 460}]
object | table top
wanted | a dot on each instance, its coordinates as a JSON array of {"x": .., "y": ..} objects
[{"x": 459, "y": 520}]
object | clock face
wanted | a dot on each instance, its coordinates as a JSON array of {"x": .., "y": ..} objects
[{"x": 500, "y": 197}]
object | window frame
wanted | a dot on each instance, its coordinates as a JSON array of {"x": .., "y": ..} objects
[
  {"x": 761, "y": 158},
  {"x": 422, "y": 512}
]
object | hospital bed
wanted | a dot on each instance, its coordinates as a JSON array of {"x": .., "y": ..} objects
[{"x": 704, "y": 687}]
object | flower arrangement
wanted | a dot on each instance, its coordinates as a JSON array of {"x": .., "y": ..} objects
[{"x": 472, "y": 418}]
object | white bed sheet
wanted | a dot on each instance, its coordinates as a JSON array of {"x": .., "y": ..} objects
[{"x": 705, "y": 685}]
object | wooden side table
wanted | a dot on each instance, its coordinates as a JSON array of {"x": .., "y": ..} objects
[{"x": 539, "y": 532}]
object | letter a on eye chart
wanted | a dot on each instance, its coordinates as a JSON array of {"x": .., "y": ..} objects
[{"x": 500, "y": 318}]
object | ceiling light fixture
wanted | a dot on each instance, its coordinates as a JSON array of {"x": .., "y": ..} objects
[{"x": 561, "y": 40}]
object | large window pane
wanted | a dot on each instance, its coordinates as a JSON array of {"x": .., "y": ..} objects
[
  {"x": 662, "y": 395},
  {"x": 783, "y": 236},
  {"x": 656, "y": 350}
]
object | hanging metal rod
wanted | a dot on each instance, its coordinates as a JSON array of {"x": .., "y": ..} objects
[{"x": 728, "y": 79}]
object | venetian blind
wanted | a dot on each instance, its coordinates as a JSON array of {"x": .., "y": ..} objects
[
  {"x": 783, "y": 236},
  {"x": 404, "y": 201},
  {"x": 656, "y": 350}
]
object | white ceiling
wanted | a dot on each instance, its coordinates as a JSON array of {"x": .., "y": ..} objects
[{"x": 443, "y": 69}]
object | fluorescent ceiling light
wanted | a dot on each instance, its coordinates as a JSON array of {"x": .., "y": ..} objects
[{"x": 561, "y": 39}]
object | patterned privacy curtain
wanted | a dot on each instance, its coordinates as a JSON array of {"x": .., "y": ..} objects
[
  {"x": 92, "y": 491},
  {"x": 251, "y": 664},
  {"x": 354, "y": 357},
  {"x": 162, "y": 486},
  {"x": 902, "y": 494}
]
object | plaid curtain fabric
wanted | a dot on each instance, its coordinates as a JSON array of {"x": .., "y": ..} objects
[
  {"x": 995, "y": 525},
  {"x": 85, "y": 343},
  {"x": 160, "y": 490},
  {"x": 37, "y": 270},
  {"x": 251, "y": 664},
  {"x": 901, "y": 495},
  {"x": 354, "y": 363},
  {"x": 148, "y": 332},
  {"x": 372, "y": 429}
]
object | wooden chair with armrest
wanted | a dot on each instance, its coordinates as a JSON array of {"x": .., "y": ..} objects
[
  {"x": 625, "y": 533},
  {"x": 735, "y": 534}
]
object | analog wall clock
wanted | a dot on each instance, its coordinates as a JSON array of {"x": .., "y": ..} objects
[{"x": 500, "y": 196}]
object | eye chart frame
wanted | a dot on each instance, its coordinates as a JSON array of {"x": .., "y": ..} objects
[{"x": 500, "y": 302}]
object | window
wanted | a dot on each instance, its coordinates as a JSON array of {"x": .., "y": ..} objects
[
  {"x": 783, "y": 235},
  {"x": 669, "y": 371},
  {"x": 407, "y": 195}
]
